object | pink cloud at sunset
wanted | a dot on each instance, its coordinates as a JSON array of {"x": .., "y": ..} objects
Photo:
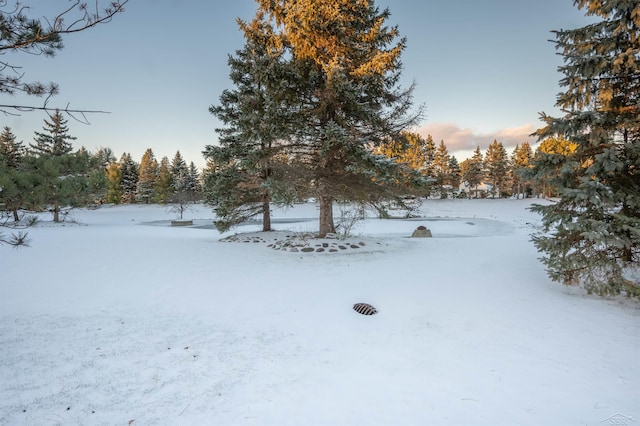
[{"x": 464, "y": 140}]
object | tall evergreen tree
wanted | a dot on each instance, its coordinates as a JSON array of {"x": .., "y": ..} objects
[
  {"x": 60, "y": 175},
  {"x": 247, "y": 177},
  {"x": 15, "y": 181},
  {"x": 114, "y": 183},
  {"x": 163, "y": 183},
  {"x": 147, "y": 176},
  {"x": 441, "y": 170},
  {"x": 346, "y": 98},
  {"x": 55, "y": 140},
  {"x": 194, "y": 185},
  {"x": 128, "y": 178},
  {"x": 179, "y": 174},
  {"x": 521, "y": 163},
  {"x": 592, "y": 234},
  {"x": 455, "y": 174},
  {"x": 496, "y": 164},
  {"x": 429, "y": 155},
  {"x": 473, "y": 170}
]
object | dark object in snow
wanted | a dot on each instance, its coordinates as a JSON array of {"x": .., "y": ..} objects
[
  {"x": 421, "y": 232},
  {"x": 364, "y": 309}
]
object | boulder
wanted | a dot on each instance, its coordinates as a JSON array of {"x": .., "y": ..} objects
[{"x": 421, "y": 232}]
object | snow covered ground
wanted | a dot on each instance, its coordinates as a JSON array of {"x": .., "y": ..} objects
[{"x": 120, "y": 319}]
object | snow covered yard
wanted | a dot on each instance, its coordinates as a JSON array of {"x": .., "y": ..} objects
[{"x": 120, "y": 319}]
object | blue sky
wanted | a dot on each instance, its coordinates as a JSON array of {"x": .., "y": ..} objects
[{"x": 484, "y": 70}]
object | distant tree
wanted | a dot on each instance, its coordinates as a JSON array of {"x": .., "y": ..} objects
[
  {"x": 147, "y": 177},
  {"x": 194, "y": 183},
  {"x": 455, "y": 173},
  {"x": 24, "y": 34},
  {"x": 592, "y": 234},
  {"x": 521, "y": 160},
  {"x": 472, "y": 170},
  {"x": 179, "y": 174},
  {"x": 15, "y": 181},
  {"x": 429, "y": 155},
  {"x": 409, "y": 149},
  {"x": 496, "y": 164},
  {"x": 129, "y": 170},
  {"x": 92, "y": 167},
  {"x": 55, "y": 140},
  {"x": 163, "y": 188},
  {"x": 114, "y": 183},
  {"x": 11, "y": 151},
  {"x": 60, "y": 176},
  {"x": 441, "y": 171}
]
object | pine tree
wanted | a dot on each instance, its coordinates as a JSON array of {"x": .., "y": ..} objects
[
  {"x": 441, "y": 170},
  {"x": 472, "y": 170},
  {"x": 55, "y": 140},
  {"x": 592, "y": 234},
  {"x": 347, "y": 99},
  {"x": 496, "y": 163},
  {"x": 15, "y": 181},
  {"x": 247, "y": 177},
  {"x": 128, "y": 178},
  {"x": 455, "y": 174},
  {"x": 60, "y": 175},
  {"x": 521, "y": 164},
  {"x": 114, "y": 183},
  {"x": 179, "y": 174},
  {"x": 194, "y": 185},
  {"x": 429, "y": 155},
  {"x": 147, "y": 176},
  {"x": 163, "y": 183}
]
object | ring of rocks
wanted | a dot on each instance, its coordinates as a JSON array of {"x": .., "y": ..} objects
[{"x": 300, "y": 243}]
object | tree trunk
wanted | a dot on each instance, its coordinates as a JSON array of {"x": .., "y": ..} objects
[
  {"x": 326, "y": 213},
  {"x": 56, "y": 212},
  {"x": 16, "y": 216},
  {"x": 266, "y": 211}
]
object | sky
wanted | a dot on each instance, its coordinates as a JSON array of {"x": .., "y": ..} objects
[{"x": 484, "y": 70}]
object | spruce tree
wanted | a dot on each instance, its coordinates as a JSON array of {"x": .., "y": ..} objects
[
  {"x": 55, "y": 140},
  {"x": 128, "y": 178},
  {"x": 345, "y": 98},
  {"x": 194, "y": 185},
  {"x": 521, "y": 163},
  {"x": 472, "y": 170},
  {"x": 147, "y": 176},
  {"x": 592, "y": 234},
  {"x": 455, "y": 174},
  {"x": 441, "y": 170},
  {"x": 179, "y": 174},
  {"x": 114, "y": 183},
  {"x": 60, "y": 175},
  {"x": 15, "y": 181},
  {"x": 429, "y": 155},
  {"x": 247, "y": 176},
  {"x": 163, "y": 183},
  {"x": 496, "y": 164}
]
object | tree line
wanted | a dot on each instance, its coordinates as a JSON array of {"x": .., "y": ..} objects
[{"x": 49, "y": 174}]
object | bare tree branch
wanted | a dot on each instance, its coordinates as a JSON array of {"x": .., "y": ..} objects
[{"x": 19, "y": 32}]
